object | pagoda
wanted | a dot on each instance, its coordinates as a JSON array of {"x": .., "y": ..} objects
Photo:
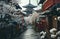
[{"x": 29, "y": 8}]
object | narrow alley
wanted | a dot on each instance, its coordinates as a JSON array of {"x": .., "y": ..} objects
[
  {"x": 29, "y": 19},
  {"x": 29, "y": 34}
]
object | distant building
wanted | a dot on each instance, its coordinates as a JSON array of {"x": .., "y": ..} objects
[{"x": 29, "y": 8}]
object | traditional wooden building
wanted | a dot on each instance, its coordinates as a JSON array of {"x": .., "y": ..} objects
[
  {"x": 53, "y": 6},
  {"x": 29, "y": 7}
]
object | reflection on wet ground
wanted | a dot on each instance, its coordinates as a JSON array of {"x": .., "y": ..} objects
[{"x": 29, "y": 34}]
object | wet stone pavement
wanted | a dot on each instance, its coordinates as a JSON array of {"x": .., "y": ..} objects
[{"x": 29, "y": 34}]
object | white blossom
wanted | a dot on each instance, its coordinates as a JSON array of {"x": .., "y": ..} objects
[
  {"x": 43, "y": 34},
  {"x": 58, "y": 33},
  {"x": 52, "y": 30},
  {"x": 53, "y": 36}
]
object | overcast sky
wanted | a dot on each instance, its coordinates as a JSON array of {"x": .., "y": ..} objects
[{"x": 25, "y": 2}]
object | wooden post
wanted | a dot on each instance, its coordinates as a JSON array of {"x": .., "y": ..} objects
[{"x": 54, "y": 21}]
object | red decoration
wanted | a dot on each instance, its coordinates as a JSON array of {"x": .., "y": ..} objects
[{"x": 48, "y": 4}]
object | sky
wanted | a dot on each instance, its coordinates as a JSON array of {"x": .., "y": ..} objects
[{"x": 25, "y": 2}]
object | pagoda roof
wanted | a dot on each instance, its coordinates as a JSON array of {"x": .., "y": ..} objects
[{"x": 29, "y": 6}]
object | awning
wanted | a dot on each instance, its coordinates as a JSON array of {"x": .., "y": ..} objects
[
  {"x": 45, "y": 12},
  {"x": 47, "y": 5},
  {"x": 51, "y": 13}
]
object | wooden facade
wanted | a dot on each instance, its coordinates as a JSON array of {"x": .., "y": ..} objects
[
  {"x": 52, "y": 19},
  {"x": 48, "y": 5}
]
